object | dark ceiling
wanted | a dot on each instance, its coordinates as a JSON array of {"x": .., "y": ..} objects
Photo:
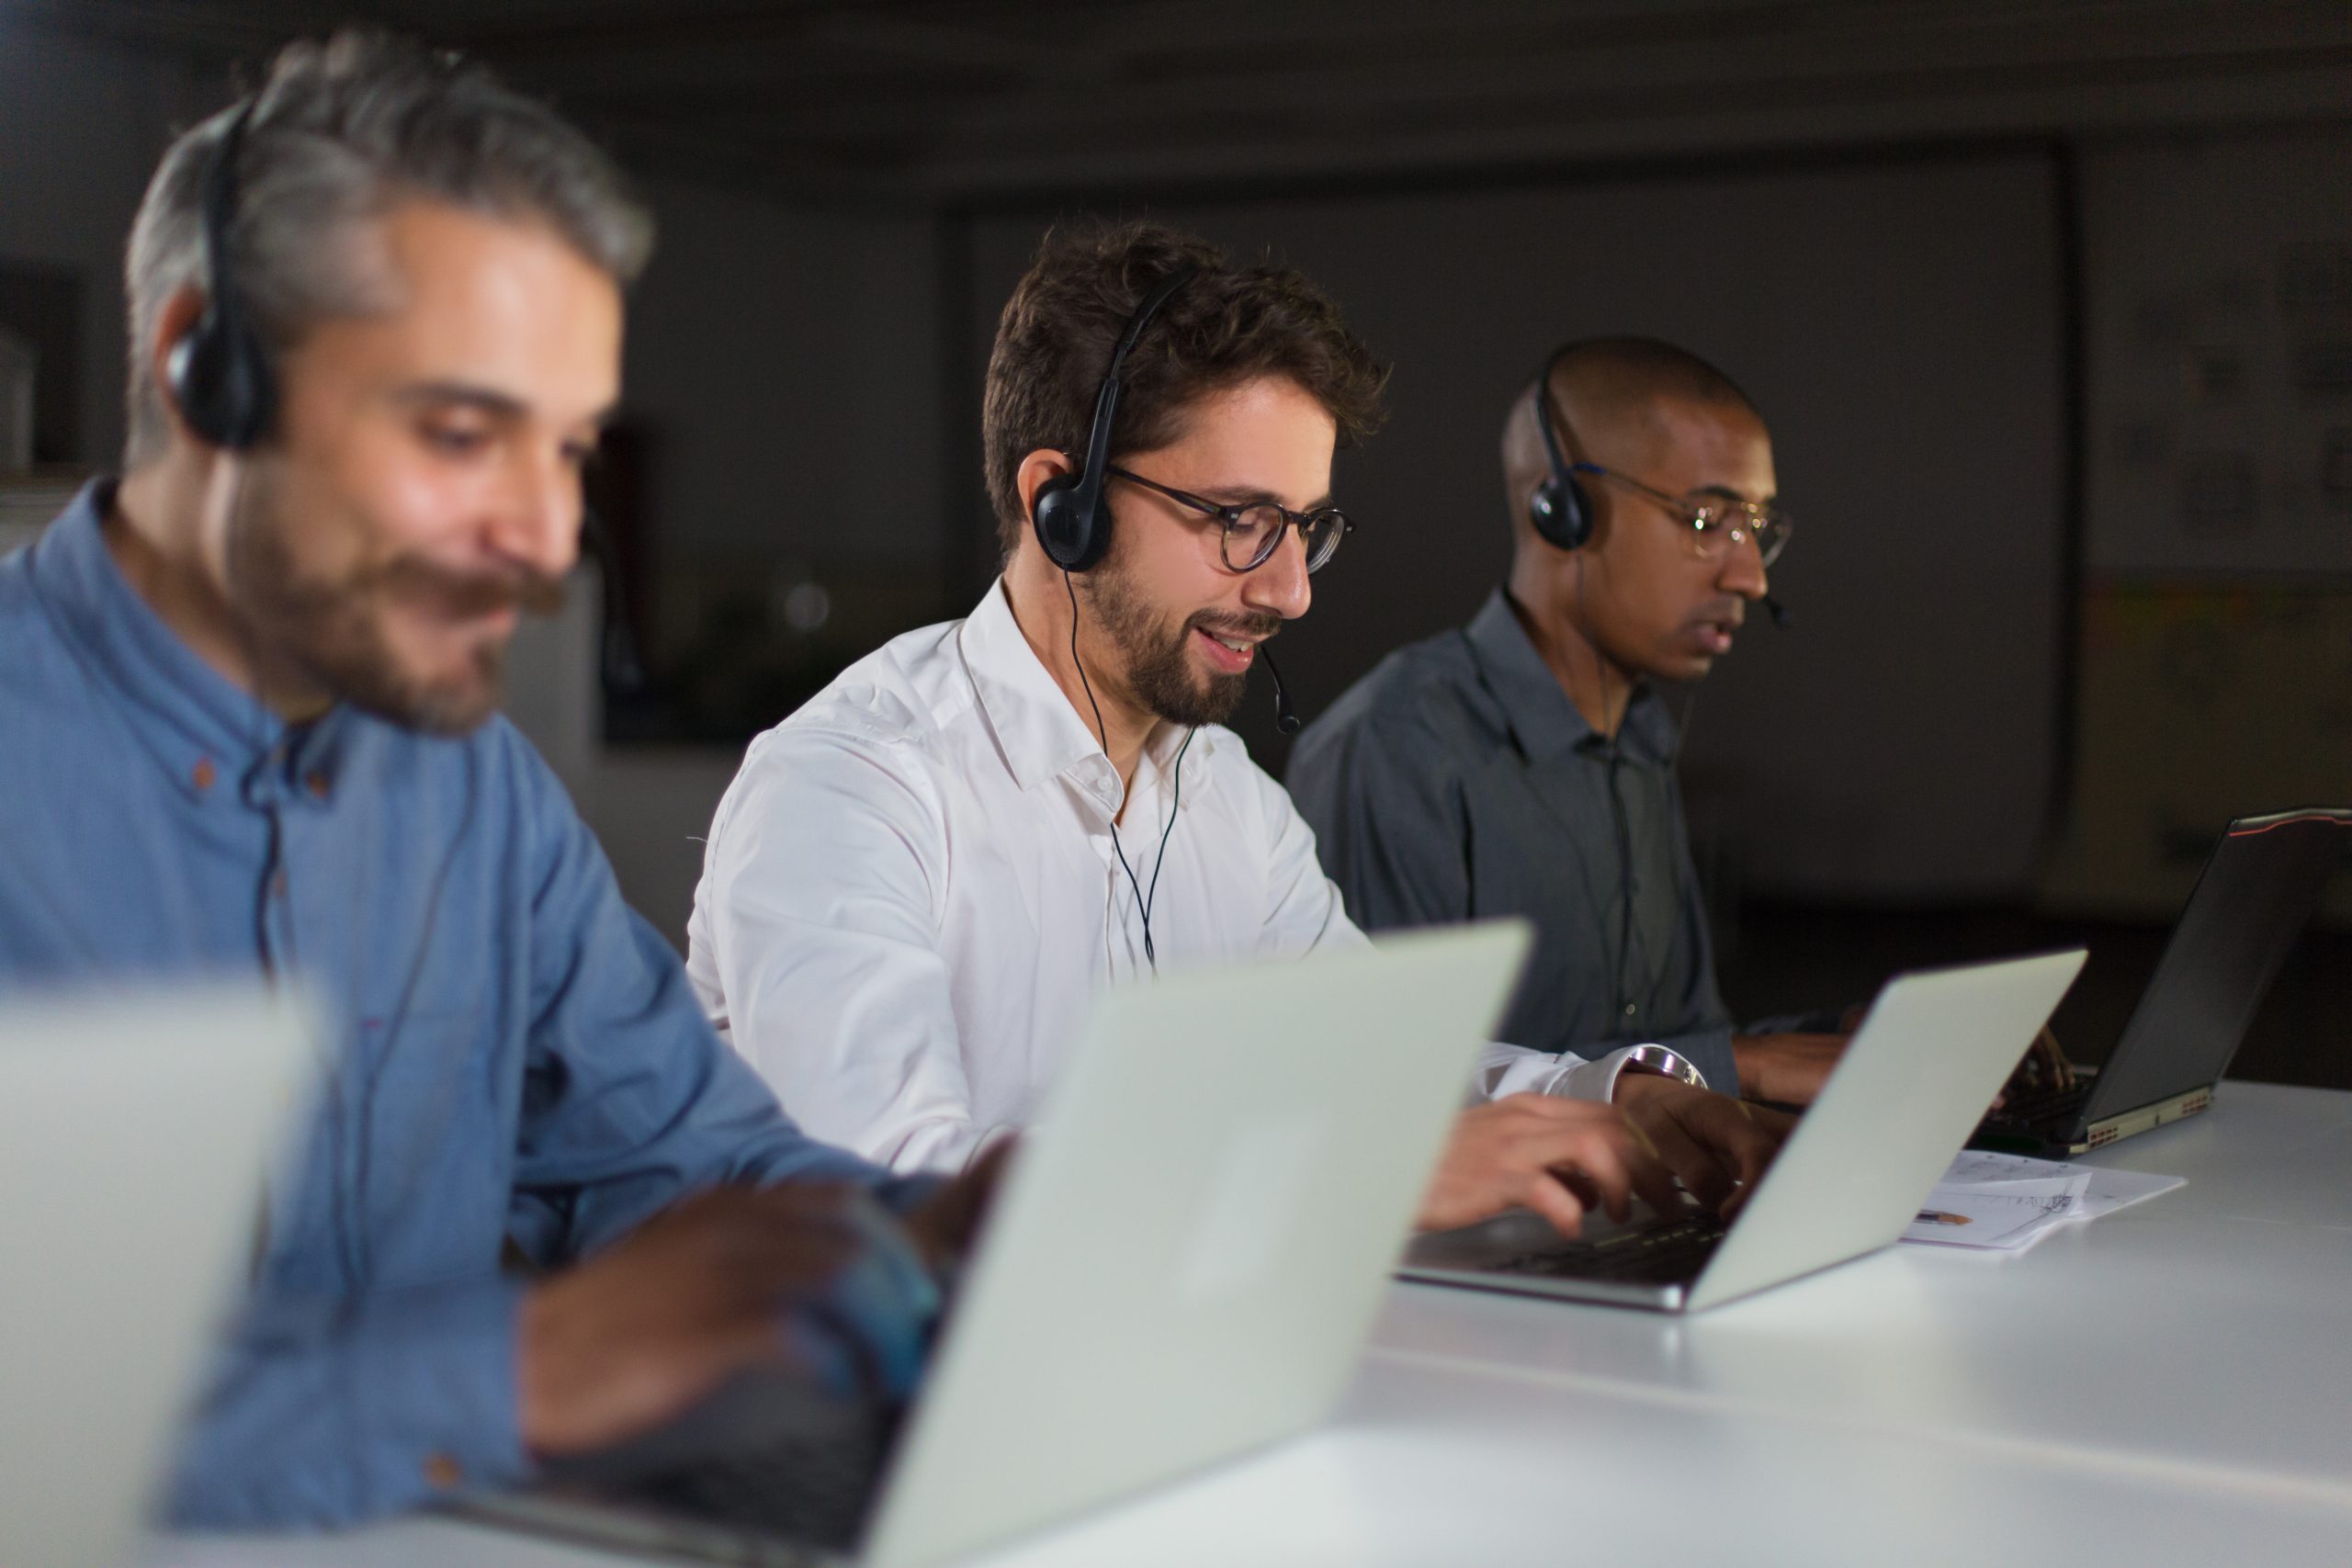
[{"x": 924, "y": 102}]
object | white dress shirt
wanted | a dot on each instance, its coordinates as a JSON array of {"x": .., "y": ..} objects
[{"x": 911, "y": 892}]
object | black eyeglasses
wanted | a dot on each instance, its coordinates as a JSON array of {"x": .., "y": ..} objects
[
  {"x": 1252, "y": 533},
  {"x": 1716, "y": 522}
]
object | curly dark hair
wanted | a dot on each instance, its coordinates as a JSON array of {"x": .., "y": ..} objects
[{"x": 1228, "y": 325}]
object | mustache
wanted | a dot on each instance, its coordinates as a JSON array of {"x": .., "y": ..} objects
[
  {"x": 1732, "y": 612},
  {"x": 463, "y": 595},
  {"x": 1255, "y": 626}
]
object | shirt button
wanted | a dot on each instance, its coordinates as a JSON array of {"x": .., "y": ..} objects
[
  {"x": 317, "y": 784},
  {"x": 442, "y": 1471},
  {"x": 277, "y": 884},
  {"x": 1629, "y": 1009},
  {"x": 204, "y": 774}
]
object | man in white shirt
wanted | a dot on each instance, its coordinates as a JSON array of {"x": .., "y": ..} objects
[{"x": 918, "y": 881}]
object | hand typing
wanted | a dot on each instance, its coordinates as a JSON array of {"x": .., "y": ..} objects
[
  {"x": 1559, "y": 1157},
  {"x": 1786, "y": 1068},
  {"x": 1718, "y": 1147},
  {"x": 816, "y": 1277}
]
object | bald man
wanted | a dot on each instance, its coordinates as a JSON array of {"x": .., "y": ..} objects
[{"x": 1524, "y": 764}]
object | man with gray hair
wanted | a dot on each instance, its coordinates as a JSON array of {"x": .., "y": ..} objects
[{"x": 248, "y": 731}]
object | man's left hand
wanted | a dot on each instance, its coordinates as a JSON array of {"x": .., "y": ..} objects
[
  {"x": 1788, "y": 1069},
  {"x": 1718, "y": 1147},
  {"x": 947, "y": 1224}
]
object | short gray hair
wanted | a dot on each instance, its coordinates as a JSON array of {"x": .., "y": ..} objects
[{"x": 341, "y": 132}]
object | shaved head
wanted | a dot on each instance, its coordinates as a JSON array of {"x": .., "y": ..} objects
[
  {"x": 1609, "y": 396},
  {"x": 1643, "y": 597}
]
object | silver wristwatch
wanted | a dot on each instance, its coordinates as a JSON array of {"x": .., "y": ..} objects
[{"x": 1654, "y": 1059}]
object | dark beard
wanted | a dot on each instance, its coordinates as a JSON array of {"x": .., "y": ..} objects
[
  {"x": 1158, "y": 664},
  {"x": 332, "y": 629}
]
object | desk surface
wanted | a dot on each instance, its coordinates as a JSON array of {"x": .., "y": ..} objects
[{"x": 2167, "y": 1385}]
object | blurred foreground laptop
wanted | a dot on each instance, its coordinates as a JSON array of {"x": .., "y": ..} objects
[
  {"x": 1182, "y": 1264},
  {"x": 2260, "y": 889},
  {"x": 1936, "y": 1047},
  {"x": 134, "y": 1139}
]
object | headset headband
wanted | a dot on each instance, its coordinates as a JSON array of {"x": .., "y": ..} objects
[
  {"x": 1547, "y": 411},
  {"x": 219, "y": 201},
  {"x": 1106, "y": 401}
]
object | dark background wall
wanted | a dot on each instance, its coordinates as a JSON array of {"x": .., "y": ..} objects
[{"x": 2050, "y": 306}]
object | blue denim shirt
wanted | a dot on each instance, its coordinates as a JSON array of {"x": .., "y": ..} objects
[{"x": 519, "y": 1058}]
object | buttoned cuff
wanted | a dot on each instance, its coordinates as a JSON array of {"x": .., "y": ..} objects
[{"x": 440, "y": 1391}]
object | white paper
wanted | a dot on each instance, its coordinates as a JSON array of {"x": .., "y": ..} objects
[
  {"x": 2005, "y": 1203},
  {"x": 2113, "y": 1189},
  {"x": 1987, "y": 1220},
  {"x": 1980, "y": 1168}
]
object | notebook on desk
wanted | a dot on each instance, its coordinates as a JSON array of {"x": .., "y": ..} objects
[
  {"x": 1934, "y": 1048},
  {"x": 2257, "y": 892},
  {"x": 1182, "y": 1264}
]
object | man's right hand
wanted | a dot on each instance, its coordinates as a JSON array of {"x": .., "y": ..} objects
[
  {"x": 1559, "y": 1157},
  {"x": 1718, "y": 1145},
  {"x": 720, "y": 1283}
]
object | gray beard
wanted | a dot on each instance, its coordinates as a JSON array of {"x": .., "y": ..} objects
[{"x": 332, "y": 630}]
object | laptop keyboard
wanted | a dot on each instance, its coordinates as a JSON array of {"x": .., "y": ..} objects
[
  {"x": 2041, "y": 1109},
  {"x": 799, "y": 1489},
  {"x": 1660, "y": 1254}
]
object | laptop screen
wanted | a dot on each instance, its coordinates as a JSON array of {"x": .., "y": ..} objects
[{"x": 2258, "y": 890}]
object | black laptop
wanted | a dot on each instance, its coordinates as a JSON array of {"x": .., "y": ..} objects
[{"x": 2257, "y": 891}]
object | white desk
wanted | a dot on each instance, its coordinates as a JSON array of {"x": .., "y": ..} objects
[{"x": 2171, "y": 1384}]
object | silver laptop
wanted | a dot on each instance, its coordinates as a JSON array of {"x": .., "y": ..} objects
[
  {"x": 1182, "y": 1264},
  {"x": 134, "y": 1135},
  {"x": 1935, "y": 1049}
]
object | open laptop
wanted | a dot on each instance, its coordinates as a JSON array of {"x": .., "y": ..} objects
[
  {"x": 2257, "y": 891},
  {"x": 1182, "y": 1263},
  {"x": 1936, "y": 1047},
  {"x": 134, "y": 1135}
]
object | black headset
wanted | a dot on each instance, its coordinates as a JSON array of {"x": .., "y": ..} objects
[
  {"x": 227, "y": 393},
  {"x": 1072, "y": 525},
  {"x": 218, "y": 373},
  {"x": 1560, "y": 510}
]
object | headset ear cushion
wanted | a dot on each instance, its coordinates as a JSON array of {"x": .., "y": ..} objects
[
  {"x": 1065, "y": 531},
  {"x": 1561, "y": 511},
  {"x": 222, "y": 384},
  {"x": 1543, "y": 508}
]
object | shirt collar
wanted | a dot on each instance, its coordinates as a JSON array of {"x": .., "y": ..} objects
[
  {"x": 1039, "y": 731},
  {"x": 1537, "y": 709},
  {"x": 209, "y": 737}
]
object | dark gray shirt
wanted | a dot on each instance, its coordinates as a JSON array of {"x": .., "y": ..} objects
[{"x": 1458, "y": 781}]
